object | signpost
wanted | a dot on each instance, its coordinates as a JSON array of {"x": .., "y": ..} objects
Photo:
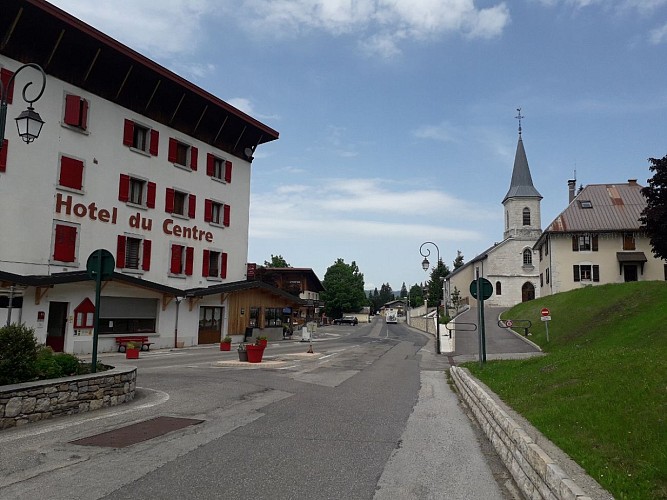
[
  {"x": 100, "y": 266},
  {"x": 481, "y": 289},
  {"x": 546, "y": 317}
]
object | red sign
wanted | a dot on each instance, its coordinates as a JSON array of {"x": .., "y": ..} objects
[{"x": 545, "y": 312}]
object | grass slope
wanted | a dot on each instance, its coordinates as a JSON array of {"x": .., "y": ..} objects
[{"x": 601, "y": 392}]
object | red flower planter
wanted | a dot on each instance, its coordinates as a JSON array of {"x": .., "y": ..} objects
[
  {"x": 255, "y": 353},
  {"x": 131, "y": 353},
  {"x": 262, "y": 342},
  {"x": 225, "y": 346}
]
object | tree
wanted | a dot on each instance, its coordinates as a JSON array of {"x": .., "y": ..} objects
[
  {"x": 416, "y": 295},
  {"x": 434, "y": 285},
  {"x": 404, "y": 291},
  {"x": 386, "y": 294},
  {"x": 276, "y": 261},
  {"x": 458, "y": 261},
  {"x": 344, "y": 289},
  {"x": 654, "y": 216}
]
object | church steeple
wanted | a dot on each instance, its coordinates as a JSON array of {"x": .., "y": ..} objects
[{"x": 522, "y": 182}]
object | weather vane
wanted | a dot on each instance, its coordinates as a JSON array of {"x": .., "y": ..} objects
[{"x": 519, "y": 117}]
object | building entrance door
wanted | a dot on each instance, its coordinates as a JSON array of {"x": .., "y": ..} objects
[
  {"x": 56, "y": 327},
  {"x": 210, "y": 324},
  {"x": 629, "y": 273},
  {"x": 527, "y": 292}
]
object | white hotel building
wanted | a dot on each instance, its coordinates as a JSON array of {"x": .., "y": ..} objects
[{"x": 133, "y": 159}]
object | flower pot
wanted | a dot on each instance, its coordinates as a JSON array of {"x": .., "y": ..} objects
[
  {"x": 225, "y": 346},
  {"x": 255, "y": 353},
  {"x": 243, "y": 355},
  {"x": 132, "y": 353},
  {"x": 262, "y": 342}
]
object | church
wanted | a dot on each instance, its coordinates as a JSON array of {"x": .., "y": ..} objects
[{"x": 508, "y": 265}]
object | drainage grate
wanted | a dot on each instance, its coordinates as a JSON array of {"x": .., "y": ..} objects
[{"x": 137, "y": 433}]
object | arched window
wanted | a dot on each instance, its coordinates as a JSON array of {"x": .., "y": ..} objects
[
  {"x": 527, "y": 257},
  {"x": 499, "y": 288},
  {"x": 526, "y": 216},
  {"x": 527, "y": 292}
]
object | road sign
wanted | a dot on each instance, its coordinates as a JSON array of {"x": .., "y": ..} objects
[
  {"x": 485, "y": 286},
  {"x": 101, "y": 260},
  {"x": 509, "y": 323},
  {"x": 545, "y": 312},
  {"x": 546, "y": 318}
]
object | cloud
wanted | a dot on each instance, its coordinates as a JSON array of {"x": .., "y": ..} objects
[
  {"x": 658, "y": 35},
  {"x": 444, "y": 132},
  {"x": 643, "y": 6}
]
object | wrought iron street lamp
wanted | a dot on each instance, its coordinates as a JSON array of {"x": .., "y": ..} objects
[
  {"x": 425, "y": 266},
  {"x": 28, "y": 123}
]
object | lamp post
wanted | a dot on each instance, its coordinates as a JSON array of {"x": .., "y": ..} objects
[
  {"x": 28, "y": 123},
  {"x": 425, "y": 266}
]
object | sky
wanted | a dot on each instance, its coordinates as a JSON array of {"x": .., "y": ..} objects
[{"x": 397, "y": 117}]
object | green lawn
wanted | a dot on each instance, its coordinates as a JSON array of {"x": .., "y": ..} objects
[{"x": 600, "y": 393}]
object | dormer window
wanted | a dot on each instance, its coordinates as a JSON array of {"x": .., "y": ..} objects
[{"x": 586, "y": 204}]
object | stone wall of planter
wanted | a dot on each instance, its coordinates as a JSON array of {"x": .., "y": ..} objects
[{"x": 21, "y": 404}]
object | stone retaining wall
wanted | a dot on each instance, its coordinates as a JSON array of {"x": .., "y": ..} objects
[
  {"x": 33, "y": 401},
  {"x": 536, "y": 473}
]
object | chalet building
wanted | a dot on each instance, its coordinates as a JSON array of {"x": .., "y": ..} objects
[
  {"x": 135, "y": 160},
  {"x": 597, "y": 239},
  {"x": 508, "y": 265}
]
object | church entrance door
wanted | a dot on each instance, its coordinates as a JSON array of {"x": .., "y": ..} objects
[{"x": 527, "y": 292}]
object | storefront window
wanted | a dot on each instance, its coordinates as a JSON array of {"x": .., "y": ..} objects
[
  {"x": 254, "y": 315},
  {"x": 273, "y": 316}
]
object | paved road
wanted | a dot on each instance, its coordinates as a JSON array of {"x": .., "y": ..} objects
[{"x": 369, "y": 415}]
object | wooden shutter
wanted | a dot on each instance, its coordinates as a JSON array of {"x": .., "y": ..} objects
[
  {"x": 146, "y": 257},
  {"x": 72, "y": 110},
  {"x": 3, "y": 155},
  {"x": 64, "y": 248},
  {"x": 575, "y": 270},
  {"x": 150, "y": 194},
  {"x": 210, "y": 164},
  {"x": 595, "y": 242},
  {"x": 208, "y": 210},
  {"x": 173, "y": 148},
  {"x": 596, "y": 273},
  {"x": 83, "y": 118},
  {"x": 204, "y": 268},
  {"x": 71, "y": 172},
  {"x": 223, "y": 265},
  {"x": 194, "y": 153},
  {"x": 128, "y": 133},
  {"x": 192, "y": 205},
  {"x": 575, "y": 243},
  {"x": 169, "y": 201},
  {"x": 189, "y": 260},
  {"x": 176, "y": 259},
  {"x": 5, "y": 76},
  {"x": 225, "y": 215},
  {"x": 120, "y": 251},
  {"x": 228, "y": 171},
  {"x": 155, "y": 142},
  {"x": 124, "y": 188}
]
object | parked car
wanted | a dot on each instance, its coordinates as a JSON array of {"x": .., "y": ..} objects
[{"x": 346, "y": 320}]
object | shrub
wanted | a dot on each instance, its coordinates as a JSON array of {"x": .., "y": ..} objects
[
  {"x": 18, "y": 354},
  {"x": 68, "y": 363},
  {"x": 46, "y": 365}
]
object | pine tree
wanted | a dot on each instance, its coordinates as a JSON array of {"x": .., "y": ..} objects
[{"x": 654, "y": 216}]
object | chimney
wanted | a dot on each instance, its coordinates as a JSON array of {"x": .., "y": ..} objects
[
  {"x": 632, "y": 182},
  {"x": 571, "y": 184}
]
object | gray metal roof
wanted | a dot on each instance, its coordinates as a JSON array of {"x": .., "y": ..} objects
[
  {"x": 613, "y": 207},
  {"x": 522, "y": 183}
]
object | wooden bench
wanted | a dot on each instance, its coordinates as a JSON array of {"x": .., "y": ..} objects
[{"x": 137, "y": 340}]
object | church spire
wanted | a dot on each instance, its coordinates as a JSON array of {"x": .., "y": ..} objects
[{"x": 522, "y": 182}]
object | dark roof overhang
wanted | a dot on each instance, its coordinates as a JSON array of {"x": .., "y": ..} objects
[
  {"x": 238, "y": 286},
  {"x": 631, "y": 257}
]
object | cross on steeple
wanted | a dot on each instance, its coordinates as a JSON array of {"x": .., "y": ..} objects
[{"x": 519, "y": 117}]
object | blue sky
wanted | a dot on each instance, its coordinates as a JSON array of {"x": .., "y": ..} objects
[{"x": 396, "y": 117}]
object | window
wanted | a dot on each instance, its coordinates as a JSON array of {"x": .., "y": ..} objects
[
  {"x": 218, "y": 168},
  {"x": 215, "y": 264},
  {"x": 273, "y": 316},
  {"x": 133, "y": 253},
  {"x": 541, "y": 280},
  {"x": 181, "y": 261},
  {"x": 586, "y": 204},
  {"x": 121, "y": 315},
  {"x": 547, "y": 274},
  {"x": 180, "y": 203},
  {"x": 65, "y": 242},
  {"x": 628, "y": 241},
  {"x": 586, "y": 272},
  {"x": 5, "y": 76},
  {"x": 254, "y": 316},
  {"x": 527, "y": 257},
  {"x": 499, "y": 288},
  {"x": 540, "y": 250},
  {"x": 71, "y": 173},
  {"x": 76, "y": 112},
  {"x": 84, "y": 314},
  {"x": 526, "y": 216},
  {"x": 182, "y": 154},
  {"x": 136, "y": 191},
  {"x": 140, "y": 137},
  {"x": 216, "y": 213},
  {"x": 584, "y": 242}
]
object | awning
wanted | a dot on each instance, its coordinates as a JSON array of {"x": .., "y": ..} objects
[{"x": 631, "y": 257}]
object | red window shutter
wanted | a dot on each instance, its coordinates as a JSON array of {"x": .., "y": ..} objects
[
  {"x": 120, "y": 251},
  {"x": 173, "y": 146},
  {"x": 210, "y": 164},
  {"x": 3, "y": 155},
  {"x": 189, "y": 260},
  {"x": 575, "y": 243},
  {"x": 5, "y": 76},
  {"x": 124, "y": 188},
  {"x": 223, "y": 265},
  {"x": 192, "y": 205},
  {"x": 169, "y": 201},
  {"x": 176, "y": 259},
  {"x": 155, "y": 142},
  {"x": 208, "y": 210},
  {"x": 194, "y": 153},
  {"x": 128, "y": 133},
  {"x": 228, "y": 171},
  {"x": 83, "y": 122},
  {"x": 146, "y": 260},
  {"x": 72, "y": 110},
  {"x": 64, "y": 249},
  {"x": 150, "y": 195},
  {"x": 225, "y": 215},
  {"x": 595, "y": 242},
  {"x": 71, "y": 173},
  {"x": 204, "y": 267}
]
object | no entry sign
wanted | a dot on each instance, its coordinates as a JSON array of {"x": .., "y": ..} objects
[{"x": 545, "y": 312}]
